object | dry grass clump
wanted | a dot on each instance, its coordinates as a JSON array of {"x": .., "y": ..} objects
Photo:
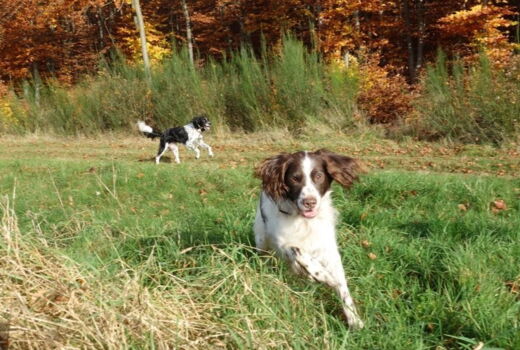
[{"x": 49, "y": 302}]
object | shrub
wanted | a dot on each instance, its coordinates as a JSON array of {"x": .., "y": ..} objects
[
  {"x": 384, "y": 98},
  {"x": 476, "y": 104},
  {"x": 285, "y": 89}
]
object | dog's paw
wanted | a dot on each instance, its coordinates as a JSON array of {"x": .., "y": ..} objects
[
  {"x": 353, "y": 320},
  {"x": 355, "y": 324},
  {"x": 296, "y": 251}
]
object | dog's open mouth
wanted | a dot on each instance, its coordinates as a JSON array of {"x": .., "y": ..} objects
[{"x": 309, "y": 213}]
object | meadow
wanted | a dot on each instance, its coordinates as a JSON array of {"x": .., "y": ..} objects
[{"x": 101, "y": 248}]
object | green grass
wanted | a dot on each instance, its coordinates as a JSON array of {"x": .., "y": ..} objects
[{"x": 165, "y": 251}]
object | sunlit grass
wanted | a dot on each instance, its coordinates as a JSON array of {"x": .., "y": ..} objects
[{"x": 100, "y": 249}]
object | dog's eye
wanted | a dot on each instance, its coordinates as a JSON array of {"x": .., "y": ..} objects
[
  {"x": 318, "y": 175},
  {"x": 296, "y": 178}
]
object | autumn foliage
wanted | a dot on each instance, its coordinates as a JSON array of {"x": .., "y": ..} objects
[{"x": 387, "y": 44}]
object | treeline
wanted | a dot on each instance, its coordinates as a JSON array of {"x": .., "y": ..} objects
[{"x": 64, "y": 39}]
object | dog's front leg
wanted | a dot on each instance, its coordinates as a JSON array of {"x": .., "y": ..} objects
[
  {"x": 330, "y": 274},
  {"x": 207, "y": 147},
  {"x": 193, "y": 147}
]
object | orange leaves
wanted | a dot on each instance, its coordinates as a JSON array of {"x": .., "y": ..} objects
[
  {"x": 479, "y": 17},
  {"x": 48, "y": 35},
  {"x": 68, "y": 36},
  {"x": 482, "y": 27},
  {"x": 498, "y": 205},
  {"x": 385, "y": 98}
]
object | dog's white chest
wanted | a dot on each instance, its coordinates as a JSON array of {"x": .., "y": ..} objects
[
  {"x": 193, "y": 134},
  {"x": 307, "y": 234}
]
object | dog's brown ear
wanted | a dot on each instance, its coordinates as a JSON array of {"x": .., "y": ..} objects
[
  {"x": 272, "y": 173},
  {"x": 342, "y": 169}
]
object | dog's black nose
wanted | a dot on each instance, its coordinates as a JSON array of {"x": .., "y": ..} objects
[{"x": 309, "y": 202}]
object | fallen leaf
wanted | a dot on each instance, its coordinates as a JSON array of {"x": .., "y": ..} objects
[
  {"x": 396, "y": 293},
  {"x": 59, "y": 298},
  {"x": 365, "y": 243},
  {"x": 372, "y": 256},
  {"x": 514, "y": 288},
  {"x": 140, "y": 175},
  {"x": 499, "y": 204},
  {"x": 462, "y": 207}
]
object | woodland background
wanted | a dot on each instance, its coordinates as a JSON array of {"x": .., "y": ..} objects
[{"x": 430, "y": 69}]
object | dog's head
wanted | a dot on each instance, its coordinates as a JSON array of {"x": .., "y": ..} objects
[
  {"x": 201, "y": 123},
  {"x": 304, "y": 178}
]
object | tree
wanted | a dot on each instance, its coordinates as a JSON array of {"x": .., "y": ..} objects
[{"x": 139, "y": 22}]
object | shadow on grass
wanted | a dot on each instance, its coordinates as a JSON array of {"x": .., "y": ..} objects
[{"x": 164, "y": 159}]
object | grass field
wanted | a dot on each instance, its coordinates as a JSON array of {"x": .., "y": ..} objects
[{"x": 101, "y": 248}]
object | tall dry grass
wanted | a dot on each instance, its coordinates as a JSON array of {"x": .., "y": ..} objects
[{"x": 50, "y": 302}]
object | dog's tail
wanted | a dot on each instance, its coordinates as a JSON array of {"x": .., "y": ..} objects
[{"x": 147, "y": 130}]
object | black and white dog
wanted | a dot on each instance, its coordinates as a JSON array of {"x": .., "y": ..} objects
[
  {"x": 190, "y": 135},
  {"x": 295, "y": 217}
]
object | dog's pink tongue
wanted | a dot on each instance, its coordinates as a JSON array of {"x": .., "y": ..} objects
[{"x": 310, "y": 213}]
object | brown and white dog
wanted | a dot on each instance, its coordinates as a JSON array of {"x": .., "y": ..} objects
[{"x": 295, "y": 217}]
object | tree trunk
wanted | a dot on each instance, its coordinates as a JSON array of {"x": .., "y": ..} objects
[
  {"x": 420, "y": 43},
  {"x": 409, "y": 41},
  {"x": 139, "y": 22},
  {"x": 357, "y": 23},
  {"x": 189, "y": 39},
  {"x": 37, "y": 83}
]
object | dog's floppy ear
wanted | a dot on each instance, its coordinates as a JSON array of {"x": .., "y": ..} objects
[
  {"x": 196, "y": 122},
  {"x": 342, "y": 169},
  {"x": 272, "y": 173}
]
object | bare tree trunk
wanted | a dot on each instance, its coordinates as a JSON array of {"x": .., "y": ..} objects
[
  {"x": 188, "y": 30},
  {"x": 37, "y": 83},
  {"x": 409, "y": 42},
  {"x": 139, "y": 22},
  {"x": 420, "y": 43},
  {"x": 357, "y": 23}
]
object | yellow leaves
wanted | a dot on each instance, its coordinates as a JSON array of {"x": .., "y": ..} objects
[
  {"x": 156, "y": 42},
  {"x": 482, "y": 27},
  {"x": 8, "y": 119}
]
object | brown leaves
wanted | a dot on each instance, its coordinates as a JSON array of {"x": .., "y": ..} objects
[
  {"x": 498, "y": 205},
  {"x": 514, "y": 287},
  {"x": 367, "y": 244},
  {"x": 463, "y": 207},
  {"x": 495, "y": 206}
]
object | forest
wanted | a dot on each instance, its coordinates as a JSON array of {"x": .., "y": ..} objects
[{"x": 429, "y": 69}]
